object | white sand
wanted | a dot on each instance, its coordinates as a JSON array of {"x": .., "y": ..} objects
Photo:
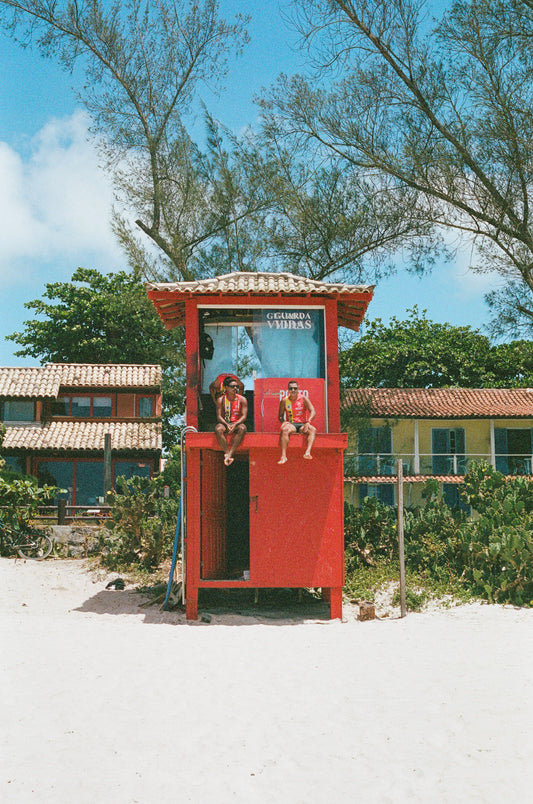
[{"x": 103, "y": 701}]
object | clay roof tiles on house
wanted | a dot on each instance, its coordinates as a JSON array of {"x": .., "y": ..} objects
[
  {"x": 116, "y": 375},
  {"x": 169, "y": 297},
  {"x": 28, "y": 382},
  {"x": 440, "y": 403},
  {"x": 45, "y": 381},
  {"x": 86, "y": 436}
]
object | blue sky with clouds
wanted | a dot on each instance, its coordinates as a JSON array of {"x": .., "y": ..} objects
[{"x": 55, "y": 202}]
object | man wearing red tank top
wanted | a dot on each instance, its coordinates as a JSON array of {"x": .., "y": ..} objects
[
  {"x": 232, "y": 409},
  {"x": 295, "y": 413}
]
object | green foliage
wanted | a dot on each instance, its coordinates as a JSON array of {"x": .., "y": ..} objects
[
  {"x": 442, "y": 107},
  {"x": 490, "y": 554},
  {"x": 418, "y": 353},
  {"x": 171, "y": 474},
  {"x": 497, "y": 546},
  {"x": 370, "y": 533},
  {"x": 106, "y": 318},
  {"x": 143, "y": 524},
  {"x": 413, "y": 600},
  {"x": 21, "y": 496}
]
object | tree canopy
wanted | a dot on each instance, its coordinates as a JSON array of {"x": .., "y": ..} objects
[
  {"x": 418, "y": 353},
  {"x": 229, "y": 204},
  {"x": 97, "y": 318},
  {"x": 443, "y": 110}
]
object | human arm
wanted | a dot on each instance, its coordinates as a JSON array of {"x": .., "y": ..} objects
[
  {"x": 281, "y": 410},
  {"x": 311, "y": 411},
  {"x": 221, "y": 419}
]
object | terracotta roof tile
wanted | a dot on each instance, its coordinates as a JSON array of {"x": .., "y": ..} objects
[
  {"x": 440, "y": 403},
  {"x": 108, "y": 375},
  {"x": 45, "y": 381},
  {"x": 407, "y": 479},
  {"x": 28, "y": 382},
  {"x": 86, "y": 436},
  {"x": 169, "y": 297},
  {"x": 259, "y": 282}
]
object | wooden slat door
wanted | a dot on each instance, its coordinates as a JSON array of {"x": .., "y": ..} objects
[{"x": 213, "y": 512}]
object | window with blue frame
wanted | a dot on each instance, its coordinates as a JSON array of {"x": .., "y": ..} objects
[
  {"x": 448, "y": 451},
  {"x": 452, "y": 497},
  {"x": 374, "y": 451},
  {"x": 384, "y": 492},
  {"x": 513, "y": 447}
]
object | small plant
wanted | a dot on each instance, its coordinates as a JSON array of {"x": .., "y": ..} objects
[
  {"x": 142, "y": 525},
  {"x": 413, "y": 600}
]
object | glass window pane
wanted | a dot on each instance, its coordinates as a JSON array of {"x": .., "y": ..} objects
[
  {"x": 89, "y": 482},
  {"x": 57, "y": 473},
  {"x": 18, "y": 410},
  {"x": 60, "y": 406},
  {"x": 146, "y": 406},
  {"x": 266, "y": 343},
  {"x": 129, "y": 469},
  {"x": 101, "y": 407},
  {"x": 81, "y": 406},
  {"x": 16, "y": 463},
  {"x": 289, "y": 343}
]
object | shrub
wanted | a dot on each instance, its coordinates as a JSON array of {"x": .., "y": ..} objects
[
  {"x": 432, "y": 543},
  {"x": 143, "y": 524},
  {"x": 22, "y": 497},
  {"x": 497, "y": 546},
  {"x": 370, "y": 532},
  {"x": 491, "y": 554}
]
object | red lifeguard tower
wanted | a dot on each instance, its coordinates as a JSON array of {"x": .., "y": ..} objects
[{"x": 256, "y": 523}]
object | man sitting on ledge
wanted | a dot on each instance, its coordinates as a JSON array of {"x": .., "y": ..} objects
[
  {"x": 295, "y": 413},
  {"x": 232, "y": 409}
]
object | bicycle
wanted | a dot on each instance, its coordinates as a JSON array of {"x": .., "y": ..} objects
[{"x": 35, "y": 544}]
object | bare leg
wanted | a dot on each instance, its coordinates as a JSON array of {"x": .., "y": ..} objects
[
  {"x": 286, "y": 429},
  {"x": 238, "y": 435},
  {"x": 310, "y": 441},
  {"x": 220, "y": 433}
]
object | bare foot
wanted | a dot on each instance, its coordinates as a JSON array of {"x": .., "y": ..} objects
[
  {"x": 308, "y": 457},
  {"x": 228, "y": 460},
  {"x": 282, "y": 460}
]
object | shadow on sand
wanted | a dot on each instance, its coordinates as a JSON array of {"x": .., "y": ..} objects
[{"x": 217, "y": 607}]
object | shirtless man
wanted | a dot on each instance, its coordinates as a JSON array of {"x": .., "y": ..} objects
[
  {"x": 232, "y": 409},
  {"x": 295, "y": 413}
]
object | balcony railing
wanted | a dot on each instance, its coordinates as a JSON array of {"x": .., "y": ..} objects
[{"x": 385, "y": 463}]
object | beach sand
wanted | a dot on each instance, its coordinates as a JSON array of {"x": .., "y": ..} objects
[{"x": 105, "y": 701}]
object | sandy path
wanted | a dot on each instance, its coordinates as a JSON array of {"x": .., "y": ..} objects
[{"x": 105, "y": 702}]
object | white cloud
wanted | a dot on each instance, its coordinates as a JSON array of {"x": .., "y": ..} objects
[{"x": 55, "y": 205}]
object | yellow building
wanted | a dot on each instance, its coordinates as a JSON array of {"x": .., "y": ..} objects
[{"x": 436, "y": 432}]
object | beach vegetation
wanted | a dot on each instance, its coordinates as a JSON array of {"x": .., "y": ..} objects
[
  {"x": 143, "y": 524},
  {"x": 488, "y": 555}
]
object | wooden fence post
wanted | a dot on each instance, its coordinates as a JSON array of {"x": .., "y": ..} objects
[
  {"x": 61, "y": 511},
  {"x": 401, "y": 550},
  {"x": 107, "y": 464}
]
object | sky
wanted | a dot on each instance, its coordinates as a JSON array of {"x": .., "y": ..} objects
[{"x": 55, "y": 201}]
